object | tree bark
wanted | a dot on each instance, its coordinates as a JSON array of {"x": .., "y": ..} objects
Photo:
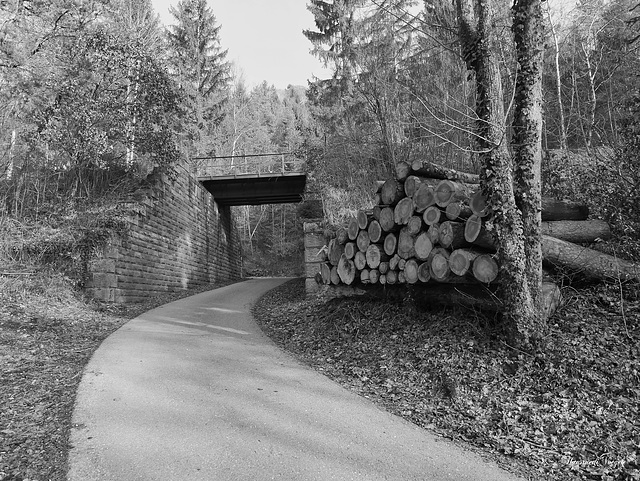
[
  {"x": 435, "y": 171},
  {"x": 588, "y": 262},
  {"x": 480, "y": 44}
]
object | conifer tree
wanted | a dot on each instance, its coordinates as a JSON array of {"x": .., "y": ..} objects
[{"x": 199, "y": 65}]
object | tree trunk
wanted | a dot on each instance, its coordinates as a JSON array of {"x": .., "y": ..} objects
[{"x": 480, "y": 44}]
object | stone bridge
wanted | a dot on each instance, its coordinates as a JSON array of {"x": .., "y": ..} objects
[{"x": 181, "y": 231}]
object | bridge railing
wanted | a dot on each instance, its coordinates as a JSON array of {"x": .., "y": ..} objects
[{"x": 255, "y": 164}]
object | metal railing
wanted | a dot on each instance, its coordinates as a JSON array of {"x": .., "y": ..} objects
[{"x": 255, "y": 164}]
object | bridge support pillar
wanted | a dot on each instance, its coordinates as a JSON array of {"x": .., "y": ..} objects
[{"x": 314, "y": 255}]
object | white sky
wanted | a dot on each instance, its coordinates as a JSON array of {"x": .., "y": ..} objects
[{"x": 264, "y": 38}]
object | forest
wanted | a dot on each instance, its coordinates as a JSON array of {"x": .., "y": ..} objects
[{"x": 96, "y": 94}]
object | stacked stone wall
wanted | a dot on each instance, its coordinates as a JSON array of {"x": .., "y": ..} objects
[
  {"x": 178, "y": 238},
  {"x": 314, "y": 241}
]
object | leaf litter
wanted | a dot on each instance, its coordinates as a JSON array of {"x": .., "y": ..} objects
[{"x": 570, "y": 412}]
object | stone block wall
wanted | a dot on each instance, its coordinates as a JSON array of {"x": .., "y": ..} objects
[
  {"x": 178, "y": 238},
  {"x": 314, "y": 241}
]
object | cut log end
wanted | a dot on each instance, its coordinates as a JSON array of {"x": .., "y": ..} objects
[{"x": 485, "y": 268}]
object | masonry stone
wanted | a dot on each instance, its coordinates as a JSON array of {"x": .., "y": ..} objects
[{"x": 177, "y": 237}]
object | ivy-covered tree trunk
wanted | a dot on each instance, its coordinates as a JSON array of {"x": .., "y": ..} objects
[
  {"x": 480, "y": 47},
  {"x": 527, "y": 145}
]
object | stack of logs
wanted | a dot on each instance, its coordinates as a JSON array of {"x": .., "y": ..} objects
[{"x": 428, "y": 227}]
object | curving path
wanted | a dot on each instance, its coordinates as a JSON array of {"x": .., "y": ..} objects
[{"x": 194, "y": 391}]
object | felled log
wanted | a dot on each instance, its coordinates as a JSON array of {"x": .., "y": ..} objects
[
  {"x": 325, "y": 272},
  {"x": 476, "y": 234},
  {"x": 406, "y": 244},
  {"x": 387, "y": 221},
  {"x": 374, "y": 276},
  {"x": 392, "y": 277},
  {"x": 341, "y": 235},
  {"x": 461, "y": 260},
  {"x": 435, "y": 171},
  {"x": 402, "y": 279},
  {"x": 365, "y": 276},
  {"x": 432, "y": 215},
  {"x": 390, "y": 244},
  {"x": 362, "y": 241},
  {"x": 403, "y": 170},
  {"x": 375, "y": 255},
  {"x": 433, "y": 232},
  {"x": 335, "y": 250},
  {"x": 424, "y": 272},
  {"x": 411, "y": 271},
  {"x": 360, "y": 260},
  {"x": 448, "y": 191},
  {"x": 350, "y": 250},
  {"x": 352, "y": 228},
  {"x": 424, "y": 197},
  {"x": 485, "y": 268},
  {"x": 364, "y": 217},
  {"x": 478, "y": 204},
  {"x": 458, "y": 211},
  {"x": 346, "y": 270},
  {"x": 440, "y": 270},
  {"x": 403, "y": 211},
  {"x": 451, "y": 234},
  {"x": 375, "y": 231},
  {"x": 393, "y": 262},
  {"x": 392, "y": 192},
  {"x": 334, "y": 277},
  {"x": 414, "y": 225},
  {"x": 588, "y": 262},
  {"x": 577, "y": 231},
  {"x": 423, "y": 246},
  {"x": 554, "y": 209},
  {"x": 383, "y": 267},
  {"x": 411, "y": 185}
]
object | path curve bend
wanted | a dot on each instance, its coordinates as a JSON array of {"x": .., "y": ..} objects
[{"x": 193, "y": 390}]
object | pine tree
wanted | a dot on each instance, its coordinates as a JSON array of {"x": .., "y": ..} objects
[{"x": 199, "y": 65}]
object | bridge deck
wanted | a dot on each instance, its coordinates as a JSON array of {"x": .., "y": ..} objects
[{"x": 238, "y": 181}]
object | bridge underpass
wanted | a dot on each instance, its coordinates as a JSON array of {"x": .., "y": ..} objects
[{"x": 255, "y": 179}]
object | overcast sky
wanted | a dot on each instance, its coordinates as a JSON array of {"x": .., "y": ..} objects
[{"x": 264, "y": 38}]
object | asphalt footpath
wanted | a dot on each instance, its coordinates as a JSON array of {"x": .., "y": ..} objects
[{"x": 193, "y": 390}]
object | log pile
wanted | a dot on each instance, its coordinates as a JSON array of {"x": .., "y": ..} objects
[{"x": 428, "y": 228}]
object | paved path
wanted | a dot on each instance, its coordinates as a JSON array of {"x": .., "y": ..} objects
[{"x": 194, "y": 391}]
